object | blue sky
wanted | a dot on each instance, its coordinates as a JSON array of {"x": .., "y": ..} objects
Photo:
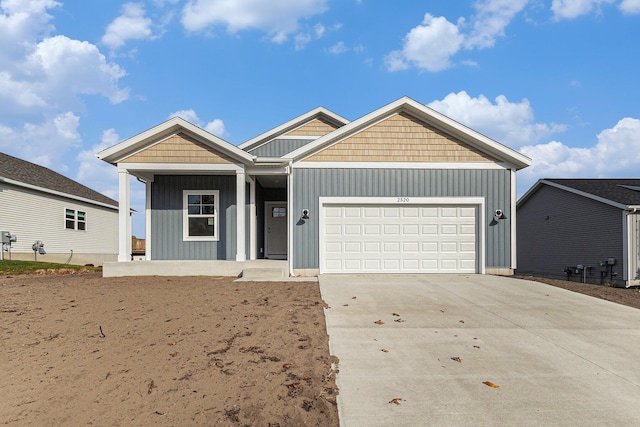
[{"x": 554, "y": 79}]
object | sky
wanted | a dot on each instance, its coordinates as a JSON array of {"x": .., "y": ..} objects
[{"x": 557, "y": 80}]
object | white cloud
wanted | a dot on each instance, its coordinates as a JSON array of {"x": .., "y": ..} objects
[
  {"x": 131, "y": 25},
  {"x": 630, "y": 7},
  {"x": 490, "y": 21},
  {"x": 509, "y": 123},
  {"x": 569, "y": 9},
  {"x": 43, "y": 143},
  {"x": 216, "y": 126},
  {"x": 616, "y": 154},
  {"x": 95, "y": 173},
  {"x": 278, "y": 18},
  {"x": 338, "y": 48},
  {"x": 429, "y": 46}
]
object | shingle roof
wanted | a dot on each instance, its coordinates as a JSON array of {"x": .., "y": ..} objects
[
  {"x": 617, "y": 190},
  {"x": 39, "y": 176}
]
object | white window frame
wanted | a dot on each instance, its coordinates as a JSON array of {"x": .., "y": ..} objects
[
  {"x": 76, "y": 219},
  {"x": 186, "y": 216}
]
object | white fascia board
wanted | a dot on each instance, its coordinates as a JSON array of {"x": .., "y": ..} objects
[
  {"x": 422, "y": 112},
  {"x": 580, "y": 193},
  {"x": 57, "y": 193},
  {"x": 290, "y": 125},
  {"x": 463, "y": 200},
  {"x": 171, "y": 126},
  {"x": 158, "y": 168},
  {"x": 400, "y": 165}
]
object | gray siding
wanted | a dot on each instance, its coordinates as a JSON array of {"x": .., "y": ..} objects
[
  {"x": 279, "y": 147},
  {"x": 557, "y": 229},
  {"x": 166, "y": 218},
  {"x": 310, "y": 184},
  {"x": 634, "y": 249}
]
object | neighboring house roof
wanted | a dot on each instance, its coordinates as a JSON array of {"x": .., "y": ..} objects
[
  {"x": 317, "y": 113},
  {"x": 425, "y": 114},
  {"x": 26, "y": 174},
  {"x": 622, "y": 193},
  {"x": 164, "y": 130}
]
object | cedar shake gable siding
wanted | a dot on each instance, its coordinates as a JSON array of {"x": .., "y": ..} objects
[
  {"x": 316, "y": 127},
  {"x": 39, "y": 176},
  {"x": 400, "y": 138},
  {"x": 178, "y": 148}
]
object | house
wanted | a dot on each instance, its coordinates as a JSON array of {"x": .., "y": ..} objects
[
  {"x": 74, "y": 223},
  {"x": 585, "y": 230},
  {"x": 403, "y": 189}
]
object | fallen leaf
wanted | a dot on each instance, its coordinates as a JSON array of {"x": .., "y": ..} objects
[
  {"x": 174, "y": 354},
  {"x": 353, "y": 297},
  {"x": 292, "y": 385},
  {"x": 396, "y": 401},
  {"x": 379, "y": 322},
  {"x": 120, "y": 309},
  {"x": 287, "y": 365},
  {"x": 461, "y": 321},
  {"x": 476, "y": 346},
  {"x": 173, "y": 343},
  {"x": 384, "y": 350},
  {"x": 399, "y": 320},
  {"x": 219, "y": 364},
  {"x": 490, "y": 384},
  {"x": 456, "y": 359},
  {"x": 345, "y": 305},
  {"x": 395, "y": 314}
]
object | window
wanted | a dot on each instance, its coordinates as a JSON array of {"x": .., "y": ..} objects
[
  {"x": 278, "y": 212},
  {"x": 75, "y": 220},
  {"x": 200, "y": 215}
]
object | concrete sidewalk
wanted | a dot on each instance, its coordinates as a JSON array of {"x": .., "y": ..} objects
[{"x": 558, "y": 357}]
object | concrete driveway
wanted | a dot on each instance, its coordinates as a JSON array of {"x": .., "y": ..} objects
[{"x": 558, "y": 357}]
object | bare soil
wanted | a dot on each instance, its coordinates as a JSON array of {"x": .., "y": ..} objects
[
  {"x": 624, "y": 296},
  {"x": 80, "y": 349}
]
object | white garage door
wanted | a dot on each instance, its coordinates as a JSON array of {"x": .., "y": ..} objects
[{"x": 398, "y": 239}]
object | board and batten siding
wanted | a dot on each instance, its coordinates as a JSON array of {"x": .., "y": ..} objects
[
  {"x": 558, "y": 229},
  {"x": 310, "y": 183},
  {"x": 167, "y": 220},
  {"x": 279, "y": 147},
  {"x": 32, "y": 215},
  {"x": 634, "y": 247}
]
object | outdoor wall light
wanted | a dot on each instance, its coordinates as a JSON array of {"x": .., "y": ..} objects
[
  {"x": 499, "y": 214},
  {"x": 305, "y": 214}
]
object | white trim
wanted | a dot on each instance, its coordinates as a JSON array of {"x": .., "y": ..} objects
[
  {"x": 291, "y": 125},
  {"x": 241, "y": 217},
  {"x": 420, "y": 112},
  {"x": 400, "y": 165},
  {"x": 147, "y": 221},
  {"x": 57, "y": 193},
  {"x": 253, "y": 220},
  {"x": 180, "y": 167},
  {"x": 75, "y": 219},
  {"x": 268, "y": 171},
  {"x": 290, "y": 224},
  {"x": 185, "y": 216},
  {"x": 124, "y": 217},
  {"x": 514, "y": 229},
  {"x": 477, "y": 201},
  {"x": 626, "y": 252}
]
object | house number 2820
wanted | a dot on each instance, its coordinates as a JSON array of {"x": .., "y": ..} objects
[{"x": 402, "y": 199}]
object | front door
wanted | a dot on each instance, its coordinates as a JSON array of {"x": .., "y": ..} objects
[{"x": 275, "y": 230}]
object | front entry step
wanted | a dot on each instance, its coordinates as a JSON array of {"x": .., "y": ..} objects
[{"x": 263, "y": 273}]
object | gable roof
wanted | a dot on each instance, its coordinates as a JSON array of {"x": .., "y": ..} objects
[
  {"x": 317, "y": 113},
  {"x": 423, "y": 113},
  {"x": 170, "y": 127},
  {"x": 621, "y": 193},
  {"x": 26, "y": 174}
]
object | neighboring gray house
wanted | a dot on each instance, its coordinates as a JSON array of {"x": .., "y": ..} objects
[
  {"x": 403, "y": 189},
  {"x": 585, "y": 230},
  {"x": 76, "y": 224}
]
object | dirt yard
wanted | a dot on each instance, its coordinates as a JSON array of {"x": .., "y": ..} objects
[
  {"x": 624, "y": 296},
  {"x": 82, "y": 350}
]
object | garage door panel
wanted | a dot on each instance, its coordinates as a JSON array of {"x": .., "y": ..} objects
[{"x": 395, "y": 239}]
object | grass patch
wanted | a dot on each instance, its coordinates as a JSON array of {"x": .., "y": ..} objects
[{"x": 32, "y": 267}]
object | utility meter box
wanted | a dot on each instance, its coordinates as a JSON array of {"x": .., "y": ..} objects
[{"x": 6, "y": 237}]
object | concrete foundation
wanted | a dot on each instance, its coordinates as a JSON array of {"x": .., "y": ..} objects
[{"x": 189, "y": 268}]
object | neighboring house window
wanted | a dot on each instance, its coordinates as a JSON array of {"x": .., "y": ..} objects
[
  {"x": 200, "y": 215},
  {"x": 75, "y": 220}
]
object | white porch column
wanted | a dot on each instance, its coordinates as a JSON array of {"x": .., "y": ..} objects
[
  {"x": 253, "y": 224},
  {"x": 124, "y": 216},
  {"x": 147, "y": 221},
  {"x": 241, "y": 254}
]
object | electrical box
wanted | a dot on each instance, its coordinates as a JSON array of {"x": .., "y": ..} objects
[
  {"x": 6, "y": 237},
  {"x": 611, "y": 261}
]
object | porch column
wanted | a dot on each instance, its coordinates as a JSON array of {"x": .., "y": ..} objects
[
  {"x": 124, "y": 216},
  {"x": 241, "y": 254},
  {"x": 253, "y": 227},
  {"x": 147, "y": 220}
]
